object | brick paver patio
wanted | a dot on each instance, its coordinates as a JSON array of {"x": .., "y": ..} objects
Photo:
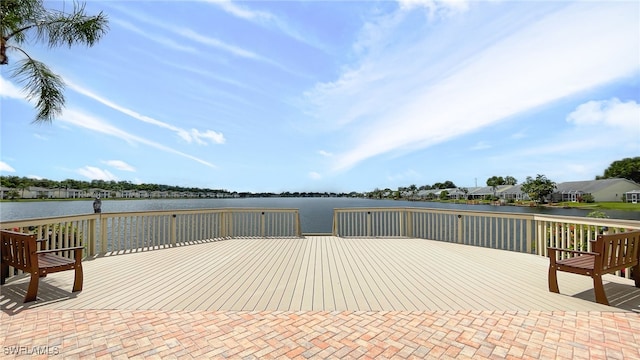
[{"x": 126, "y": 334}]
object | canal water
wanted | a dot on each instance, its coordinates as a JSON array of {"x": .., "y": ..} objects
[{"x": 316, "y": 214}]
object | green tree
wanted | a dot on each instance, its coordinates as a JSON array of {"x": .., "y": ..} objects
[
  {"x": 627, "y": 168},
  {"x": 539, "y": 188},
  {"x": 22, "y": 18},
  {"x": 510, "y": 180},
  {"x": 494, "y": 182}
]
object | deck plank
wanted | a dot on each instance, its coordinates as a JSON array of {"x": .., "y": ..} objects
[{"x": 316, "y": 273}]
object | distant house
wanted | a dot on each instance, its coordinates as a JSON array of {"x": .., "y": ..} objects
[
  {"x": 601, "y": 190},
  {"x": 633, "y": 196},
  {"x": 515, "y": 193},
  {"x": 34, "y": 192},
  {"x": 482, "y": 192},
  {"x": 456, "y": 193},
  {"x": 103, "y": 194}
]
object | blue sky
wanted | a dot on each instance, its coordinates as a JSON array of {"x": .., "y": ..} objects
[{"x": 336, "y": 96}]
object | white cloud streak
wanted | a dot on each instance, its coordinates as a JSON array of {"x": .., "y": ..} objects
[
  {"x": 576, "y": 48},
  {"x": 187, "y": 135},
  {"x": 436, "y": 7},
  {"x": 80, "y": 119},
  {"x": 262, "y": 18},
  {"x": 164, "y": 41},
  {"x": 94, "y": 173},
  {"x": 120, "y": 165}
]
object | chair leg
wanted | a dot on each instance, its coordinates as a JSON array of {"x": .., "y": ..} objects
[
  {"x": 636, "y": 274},
  {"x": 32, "y": 291},
  {"x": 553, "y": 280},
  {"x": 601, "y": 297},
  {"x": 77, "y": 281},
  {"x": 4, "y": 273}
]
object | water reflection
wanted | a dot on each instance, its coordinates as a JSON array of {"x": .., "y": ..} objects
[{"x": 315, "y": 213}]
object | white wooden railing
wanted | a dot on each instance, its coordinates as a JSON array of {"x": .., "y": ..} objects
[
  {"x": 528, "y": 233},
  {"x": 116, "y": 233}
]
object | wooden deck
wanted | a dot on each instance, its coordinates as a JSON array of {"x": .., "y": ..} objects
[{"x": 320, "y": 273}]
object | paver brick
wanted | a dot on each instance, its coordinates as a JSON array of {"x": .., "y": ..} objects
[{"x": 335, "y": 335}]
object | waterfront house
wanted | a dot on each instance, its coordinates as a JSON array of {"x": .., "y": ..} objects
[
  {"x": 632, "y": 196},
  {"x": 601, "y": 190}
]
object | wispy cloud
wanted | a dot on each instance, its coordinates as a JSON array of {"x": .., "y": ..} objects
[
  {"x": 4, "y": 167},
  {"x": 436, "y": 7},
  {"x": 94, "y": 173},
  {"x": 407, "y": 175},
  {"x": 315, "y": 175},
  {"x": 325, "y": 153},
  {"x": 185, "y": 33},
  {"x": 86, "y": 121},
  {"x": 265, "y": 19},
  {"x": 404, "y": 98},
  {"x": 481, "y": 145},
  {"x": 189, "y": 136},
  {"x": 164, "y": 41},
  {"x": 120, "y": 165}
]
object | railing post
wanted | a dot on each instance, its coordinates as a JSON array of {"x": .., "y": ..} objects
[
  {"x": 173, "y": 229},
  {"x": 298, "y": 227},
  {"x": 222, "y": 224},
  {"x": 93, "y": 230},
  {"x": 334, "y": 230},
  {"x": 103, "y": 234},
  {"x": 408, "y": 213},
  {"x": 529, "y": 235},
  {"x": 460, "y": 229},
  {"x": 368, "y": 223},
  {"x": 262, "y": 224}
]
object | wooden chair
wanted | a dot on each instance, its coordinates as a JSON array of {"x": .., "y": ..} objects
[
  {"x": 609, "y": 254},
  {"x": 20, "y": 251}
]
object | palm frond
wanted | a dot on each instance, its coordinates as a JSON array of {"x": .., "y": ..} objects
[
  {"x": 42, "y": 86},
  {"x": 68, "y": 29}
]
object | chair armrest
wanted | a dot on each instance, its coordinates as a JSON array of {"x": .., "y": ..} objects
[
  {"x": 578, "y": 252},
  {"x": 58, "y": 250}
]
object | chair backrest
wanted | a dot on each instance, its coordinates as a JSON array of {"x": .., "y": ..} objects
[
  {"x": 18, "y": 249},
  {"x": 619, "y": 251}
]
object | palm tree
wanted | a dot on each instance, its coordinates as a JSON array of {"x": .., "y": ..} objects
[{"x": 19, "y": 18}]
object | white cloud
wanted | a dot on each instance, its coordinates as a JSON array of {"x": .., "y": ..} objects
[
  {"x": 315, "y": 175},
  {"x": 80, "y": 119},
  {"x": 262, "y": 18},
  {"x": 614, "y": 113},
  {"x": 164, "y": 41},
  {"x": 241, "y": 12},
  {"x": 481, "y": 145},
  {"x": 4, "y": 167},
  {"x": 409, "y": 97},
  {"x": 188, "y": 136},
  {"x": 120, "y": 165},
  {"x": 436, "y": 7},
  {"x": 209, "y": 41},
  {"x": 35, "y": 177},
  {"x": 325, "y": 153},
  {"x": 408, "y": 175},
  {"x": 7, "y": 89},
  {"x": 94, "y": 173},
  {"x": 214, "y": 137}
]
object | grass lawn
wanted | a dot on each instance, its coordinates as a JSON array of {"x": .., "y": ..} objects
[{"x": 603, "y": 206}]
